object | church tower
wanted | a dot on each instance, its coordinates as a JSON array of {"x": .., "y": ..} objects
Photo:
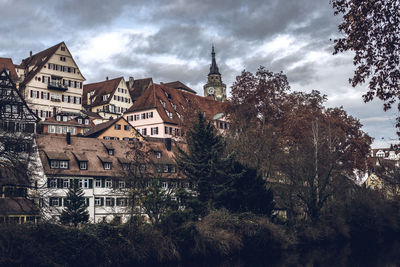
[{"x": 214, "y": 86}]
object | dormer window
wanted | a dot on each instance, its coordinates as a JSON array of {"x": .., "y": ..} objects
[
  {"x": 157, "y": 154},
  {"x": 105, "y": 97},
  {"x": 80, "y": 121},
  {"x": 83, "y": 165},
  {"x": 107, "y": 165},
  {"x": 58, "y": 118},
  {"x": 87, "y": 121},
  {"x": 111, "y": 152},
  {"x": 65, "y": 118},
  {"x": 59, "y": 164}
]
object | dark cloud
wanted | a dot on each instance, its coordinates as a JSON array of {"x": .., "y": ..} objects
[{"x": 184, "y": 30}]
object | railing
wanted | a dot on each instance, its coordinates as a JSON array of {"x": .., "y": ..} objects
[{"x": 57, "y": 86}]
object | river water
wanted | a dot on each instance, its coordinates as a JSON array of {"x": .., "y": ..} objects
[{"x": 360, "y": 254}]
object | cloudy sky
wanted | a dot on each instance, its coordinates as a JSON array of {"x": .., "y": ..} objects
[{"x": 171, "y": 40}]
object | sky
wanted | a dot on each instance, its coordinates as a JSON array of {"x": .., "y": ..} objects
[{"x": 171, "y": 40}]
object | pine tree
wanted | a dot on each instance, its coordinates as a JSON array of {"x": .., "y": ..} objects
[
  {"x": 204, "y": 162},
  {"x": 75, "y": 211}
]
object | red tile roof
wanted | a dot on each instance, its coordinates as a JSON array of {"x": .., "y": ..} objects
[
  {"x": 139, "y": 86},
  {"x": 100, "y": 89},
  {"x": 176, "y": 102},
  {"x": 180, "y": 86},
  {"x": 7, "y": 63}
]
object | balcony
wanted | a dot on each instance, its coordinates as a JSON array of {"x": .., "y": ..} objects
[{"x": 57, "y": 86}]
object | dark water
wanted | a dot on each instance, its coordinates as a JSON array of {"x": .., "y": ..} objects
[{"x": 361, "y": 254}]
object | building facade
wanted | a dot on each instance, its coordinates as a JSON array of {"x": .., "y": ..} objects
[{"x": 52, "y": 82}]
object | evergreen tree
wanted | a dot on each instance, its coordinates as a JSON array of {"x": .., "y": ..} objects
[
  {"x": 245, "y": 191},
  {"x": 75, "y": 211},
  {"x": 203, "y": 162}
]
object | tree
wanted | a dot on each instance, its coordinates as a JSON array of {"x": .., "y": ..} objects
[
  {"x": 157, "y": 202},
  {"x": 75, "y": 211},
  {"x": 245, "y": 191},
  {"x": 319, "y": 146},
  {"x": 371, "y": 30},
  {"x": 255, "y": 112},
  {"x": 204, "y": 162}
]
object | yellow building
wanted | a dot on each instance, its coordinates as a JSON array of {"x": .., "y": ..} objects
[
  {"x": 116, "y": 129},
  {"x": 52, "y": 82}
]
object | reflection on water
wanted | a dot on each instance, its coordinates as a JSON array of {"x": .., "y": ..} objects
[{"x": 365, "y": 254}]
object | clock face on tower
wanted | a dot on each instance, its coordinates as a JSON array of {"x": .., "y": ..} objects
[{"x": 211, "y": 90}]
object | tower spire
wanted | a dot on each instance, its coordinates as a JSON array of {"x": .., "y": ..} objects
[{"x": 213, "y": 67}]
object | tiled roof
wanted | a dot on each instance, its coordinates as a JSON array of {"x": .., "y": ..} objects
[
  {"x": 101, "y": 127},
  {"x": 100, "y": 89},
  {"x": 13, "y": 176},
  {"x": 176, "y": 102},
  {"x": 139, "y": 86},
  {"x": 38, "y": 61},
  {"x": 18, "y": 206},
  {"x": 6, "y": 63},
  {"x": 179, "y": 85},
  {"x": 95, "y": 151}
]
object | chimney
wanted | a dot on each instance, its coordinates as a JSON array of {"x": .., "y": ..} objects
[
  {"x": 107, "y": 78},
  {"x": 68, "y": 138},
  {"x": 130, "y": 83},
  {"x": 168, "y": 143},
  {"x": 30, "y": 53}
]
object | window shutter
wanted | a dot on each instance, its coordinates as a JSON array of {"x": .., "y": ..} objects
[
  {"x": 70, "y": 183},
  {"x": 48, "y": 183},
  {"x": 69, "y": 99},
  {"x": 48, "y": 96},
  {"x": 103, "y": 182},
  {"x": 80, "y": 100},
  {"x": 90, "y": 183},
  {"x": 87, "y": 201},
  {"x": 50, "y": 203},
  {"x": 59, "y": 183},
  {"x": 112, "y": 202},
  {"x": 60, "y": 200},
  {"x": 41, "y": 94},
  {"x": 31, "y": 93},
  {"x": 102, "y": 201}
]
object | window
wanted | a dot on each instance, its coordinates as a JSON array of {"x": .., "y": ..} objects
[
  {"x": 173, "y": 168},
  {"x": 125, "y": 166},
  {"x": 111, "y": 152},
  {"x": 117, "y": 126},
  {"x": 63, "y": 164},
  {"x": 158, "y": 154},
  {"x": 168, "y": 130},
  {"x": 55, "y": 201},
  {"x": 143, "y": 116},
  {"x": 52, "y": 129},
  {"x": 108, "y": 183},
  {"x": 80, "y": 121},
  {"x": 54, "y": 164},
  {"x": 144, "y": 131},
  {"x": 62, "y": 48},
  {"x": 99, "y": 201},
  {"x": 97, "y": 183},
  {"x": 109, "y": 201},
  {"x": 150, "y": 114},
  {"x": 84, "y": 183},
  {"x": 127, "y": 127},
  {"x": 174, "y": 106},
  {"x": 121, "y": 184},
  {"x": 53, "y": 183},
  {"x": 136, "y": 117},
  {"x": 164, "y": 185},
  {"x": 154, "y": 131},
  {"x": 165, "y": 168},
  {"x": 87, "y": 121},
  {"x": 104, "y": 97},
  {"x": 66, "y": 183},
  {"x": 122, "y": 202},
  {"x": 83, "y": 165},
  {"x": 107, "y": 165}
]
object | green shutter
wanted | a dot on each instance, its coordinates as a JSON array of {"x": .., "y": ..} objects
[
  {"x": 112, "y": 201},
  {"x": 90, "y": 183},
  {"x": 103, "y": 182},
  {"x": 48, "y": 183},
  {"x": 60, "y": 200},
  {"x": 102, "y": 201}
]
